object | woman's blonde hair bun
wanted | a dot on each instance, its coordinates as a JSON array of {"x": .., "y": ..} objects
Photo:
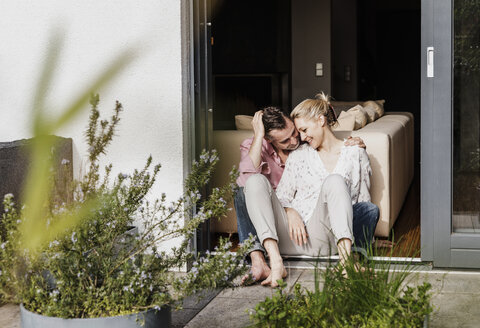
[
  {"x": 314, "y": 108},
  {"x": 323, "y": 97}
]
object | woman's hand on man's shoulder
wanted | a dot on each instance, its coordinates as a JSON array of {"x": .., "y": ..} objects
[{"x": 355, "y": 141}]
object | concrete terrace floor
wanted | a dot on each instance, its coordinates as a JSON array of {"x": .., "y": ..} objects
[{"x": 456, "y": 299}]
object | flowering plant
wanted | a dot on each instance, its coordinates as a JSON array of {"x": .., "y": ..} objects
[{"x": 102, "y": 266}]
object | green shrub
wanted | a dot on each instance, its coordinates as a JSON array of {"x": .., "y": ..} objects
[{"x": 375, "y": 296}]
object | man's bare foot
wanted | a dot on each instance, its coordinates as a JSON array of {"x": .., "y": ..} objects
[
  {"x": 278, "y": 272},
  {"x": 259, "y": 270},
  {"x": 383, "y": 243}
]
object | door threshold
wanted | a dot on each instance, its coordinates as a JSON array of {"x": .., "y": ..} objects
[
  {"x": 394, "y": 264},
  {"x": 335, "y": 258},
  {"x": 371, "y": 258}
]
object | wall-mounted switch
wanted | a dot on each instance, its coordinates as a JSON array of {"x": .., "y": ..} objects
[
  {"x": 348, "y": 73},
  {"x": 319, "y": 69}
]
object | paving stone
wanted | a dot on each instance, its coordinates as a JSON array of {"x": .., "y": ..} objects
[
  {"x": 310, "y": 285},
  {"x": 458, "y": 310},
  {"x": 224, "y": 312},
  {"x": 310, "y": 265},
  {"x": 182, "y": 317},
  {"x": 436, "y": 280},
  {"x": 449, "y": 322},
  {"x": 449, "y": 281},
  {"x": 199, "y": 300},
  {"x": 259, "y": 292},
  {"x": 309, "y": 275},
  {"x": 437, "y": 321},
  {"x": 191, "y": 306},
  {"x": 10, "y": 316},
  {"x": 461, "y": 283}
]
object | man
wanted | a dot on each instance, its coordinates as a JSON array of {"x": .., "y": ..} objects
[{"x": 275, "y": 136}]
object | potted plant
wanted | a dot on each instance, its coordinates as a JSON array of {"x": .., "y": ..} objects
[{"x": 97, "y": 272}]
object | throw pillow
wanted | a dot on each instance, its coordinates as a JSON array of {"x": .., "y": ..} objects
[
  {"x": 345, "y": 122},
  {"x": 376, "y": 105},
  {"x": 372, "y": 114},
  {"x": 360, "y": 116},
  {"x": 243, "y": 122},
  {"x": 339, "y": 106}
]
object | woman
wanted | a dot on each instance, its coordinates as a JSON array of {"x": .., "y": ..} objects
[{"x": 321, "y": 182}]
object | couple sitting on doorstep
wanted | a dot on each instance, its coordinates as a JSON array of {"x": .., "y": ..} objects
[{"x": 315, "y": 203}]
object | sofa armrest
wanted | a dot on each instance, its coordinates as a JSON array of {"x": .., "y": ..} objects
[{"x": 227, "y": 143}]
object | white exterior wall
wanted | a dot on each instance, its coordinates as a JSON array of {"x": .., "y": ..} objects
[{"x": 150, "y": 89}]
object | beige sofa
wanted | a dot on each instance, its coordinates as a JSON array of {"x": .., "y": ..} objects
[{"x": 389, "y": 142}]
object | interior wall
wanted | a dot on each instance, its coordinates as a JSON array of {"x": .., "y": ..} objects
[
  {"x": 311, "y": 44},
  {"x": 389, "y": 56},
  {"x": 250, "y": 57},
  {"x": 344, "y": 50}
]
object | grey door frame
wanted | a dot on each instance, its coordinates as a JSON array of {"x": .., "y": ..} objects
[
  {"x": 439, "y": 244},
  {"x": 203, "y": 96}
]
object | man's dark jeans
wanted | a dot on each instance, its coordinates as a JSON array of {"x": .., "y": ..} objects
[
  {"x": 365, "y": 218},
  {"x": 245, "y": 226}
]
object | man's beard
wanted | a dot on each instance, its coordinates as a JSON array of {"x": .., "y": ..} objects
[{"x": 293, "y": 147}]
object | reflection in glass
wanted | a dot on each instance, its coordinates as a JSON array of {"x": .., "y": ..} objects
[{"x": 466, "y": 117}]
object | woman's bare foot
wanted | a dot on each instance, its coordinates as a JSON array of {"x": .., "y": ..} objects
[
  {"x": 278, "y": 272},
  {"x": 357, "y": 263},
  {"x": 276, "y": 263},
  {"x": 259, "y": 270}
]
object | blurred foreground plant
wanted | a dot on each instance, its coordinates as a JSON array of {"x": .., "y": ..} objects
[{"x": 35, "y": 230}]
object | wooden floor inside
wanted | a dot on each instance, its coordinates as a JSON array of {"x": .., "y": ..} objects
[
  {"x": 405, "y": 233},
  {"x": 406, "y": 230}
]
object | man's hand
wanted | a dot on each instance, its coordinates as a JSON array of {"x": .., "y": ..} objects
[
  {"x": 356, "y": 141},
  {"x": 255, "y": 151},
  {"x": 296, "y": 227},
  {"x": 257, "y": 124}
]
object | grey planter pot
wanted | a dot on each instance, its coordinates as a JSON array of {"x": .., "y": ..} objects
[
  {"x": 147, "y": 319},
  {"x": 426, "y": 322}
]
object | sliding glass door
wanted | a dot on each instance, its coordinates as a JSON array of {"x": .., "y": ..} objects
[
  {"x": 466, "y": 118},
  {"x": 451, "y": 133}
]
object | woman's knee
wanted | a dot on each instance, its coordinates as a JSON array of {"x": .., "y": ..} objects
[
  {"x": 255, "y": 183},
  {"x": 334, "y": 182}
]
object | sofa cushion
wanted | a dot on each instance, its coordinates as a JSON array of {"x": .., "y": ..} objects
[
  {"x": 243, "y": 122},
  {"x": 345, "y": 122},
  {"x": 377, "y": 105},
  {"x": 360, "y": 116}
]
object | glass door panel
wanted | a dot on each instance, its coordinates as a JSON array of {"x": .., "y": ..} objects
[{"x": 466, "y": 118}]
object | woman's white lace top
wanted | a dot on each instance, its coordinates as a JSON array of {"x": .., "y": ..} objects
[{"x": 304, "y": 173}]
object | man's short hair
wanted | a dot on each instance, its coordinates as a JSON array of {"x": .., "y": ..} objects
[{"x": 273, "y": 118}]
